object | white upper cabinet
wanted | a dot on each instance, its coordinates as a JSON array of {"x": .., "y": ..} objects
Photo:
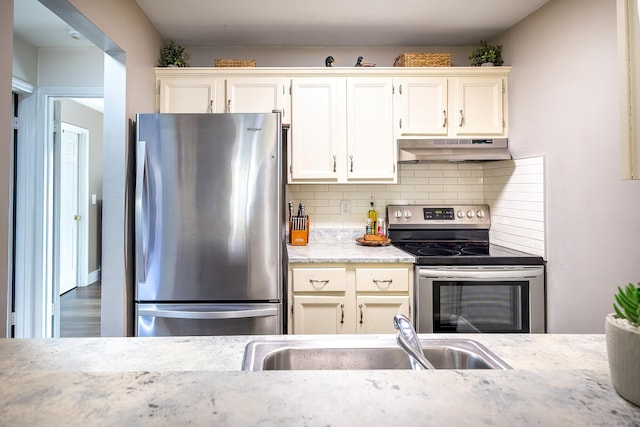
[
  {"x": 423, "y": 106},
  {"x": 342, "y": 130},
  {"x": 345, "y": 122},
  {"x": 258, "y": 95},
  {"x": 191, "y": 94},
  {"x": 371, "y": 146},
  {"x": 479, "y": 107},
  {"x": 316, "y": 139},
  {"x": 453, "y": 107}
]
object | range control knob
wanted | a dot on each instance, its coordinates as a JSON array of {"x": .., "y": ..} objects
[
  {"x": 460, "y": 214},
  {"x": 407, "y": 214},
  {"x": 480, "y": 214},
  {"x": 398, "y": 214},
  {"x": 469, "y": 214}
]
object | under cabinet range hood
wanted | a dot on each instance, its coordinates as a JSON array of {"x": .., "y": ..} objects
[{"x": 453, "y": 150}]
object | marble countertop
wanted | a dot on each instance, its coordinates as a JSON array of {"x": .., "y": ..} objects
[
  {"x": 555, "y": 380},
  {"x": 346, "y": 252}
]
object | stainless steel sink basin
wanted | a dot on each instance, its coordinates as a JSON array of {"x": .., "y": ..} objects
[{"x": 323, "y": 354}]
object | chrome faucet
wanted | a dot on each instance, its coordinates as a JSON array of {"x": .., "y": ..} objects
[{"x": 408, "y": 341}]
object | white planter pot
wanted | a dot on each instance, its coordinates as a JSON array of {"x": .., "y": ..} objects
[{"x": 623, "y": 350}]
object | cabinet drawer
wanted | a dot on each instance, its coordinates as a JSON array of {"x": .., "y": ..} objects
[
  {"x": 382, "y": 280},
  {"x": 319, "y": 279}
]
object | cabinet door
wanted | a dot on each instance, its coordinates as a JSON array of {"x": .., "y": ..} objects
[
  {"x": 375, "y": 313},
  {"x": 371, "y": 153},
  {"x": 191, "y": 95},
  {"x": 478, "y": 107},
  {"x": 423, "y": 106},
  {"x": 319, "y": 315},
  {"x": 316, "y": 130},
  {"x": 258, "y": 95}
]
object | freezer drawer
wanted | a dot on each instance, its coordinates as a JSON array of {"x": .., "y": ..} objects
[{"x": 163, "y": 320}]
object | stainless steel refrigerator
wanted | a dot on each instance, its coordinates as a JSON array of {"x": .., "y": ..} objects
[{"x": 209, "y": 221}]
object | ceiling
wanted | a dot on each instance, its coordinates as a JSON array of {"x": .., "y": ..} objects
[{"x": 301, "y": 22}]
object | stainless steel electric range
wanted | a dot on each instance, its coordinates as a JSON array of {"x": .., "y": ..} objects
[{"x": 463, "y": 283}]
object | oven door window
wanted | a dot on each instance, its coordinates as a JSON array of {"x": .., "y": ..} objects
[{"x": 472, "y": 306}]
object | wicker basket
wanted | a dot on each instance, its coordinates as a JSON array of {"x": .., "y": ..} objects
[
  {"x": 423, "y": 60},
  {"x": 235, "y": 62}
]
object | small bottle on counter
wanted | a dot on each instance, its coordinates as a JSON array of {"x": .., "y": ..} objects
[
  {"x": 381, "y": 227},
  {"x": 369, "y": 228},
  {"x": 373, "y": 216}
]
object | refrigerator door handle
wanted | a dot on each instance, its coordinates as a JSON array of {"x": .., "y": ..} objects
[
  {"x": 223, "y": 314},
  {"x": 140, "y": 214}
]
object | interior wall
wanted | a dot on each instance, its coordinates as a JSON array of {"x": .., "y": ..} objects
[
  {"x": 25, "y": 61},
  {"x": 79, "y": 115},
  {"x": 6, "y": 114},
  {"x": 278, "y": 56},
  {"x": 129, "y": 88},
  {"x": 76, "y": 67},
  {"x": 563, "y": 103}
]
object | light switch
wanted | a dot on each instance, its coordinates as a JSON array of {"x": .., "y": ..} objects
[{"x": 93, "y": 199}]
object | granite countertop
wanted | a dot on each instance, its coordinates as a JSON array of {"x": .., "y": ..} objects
[
  {"x": 555, "y": 380},
  {"x": 346, "y": 252},
  {"x": 339, "y": 246}
]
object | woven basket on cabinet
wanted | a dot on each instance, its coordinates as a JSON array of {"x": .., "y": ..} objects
[
  {"x": 423, "y": 60},
  {"x": 235, "y": 62}
]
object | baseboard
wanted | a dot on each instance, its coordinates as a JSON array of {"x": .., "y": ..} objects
[{"x": 94, "y": 276}]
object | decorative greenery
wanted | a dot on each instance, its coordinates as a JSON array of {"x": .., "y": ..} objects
[
  {"x": 629, "y": 302},
  {"x": 487, "y": 53},
  {"x": 172, "y": 54}
]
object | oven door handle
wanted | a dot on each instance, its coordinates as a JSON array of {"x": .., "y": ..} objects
[{"x": 479, "y": 274}]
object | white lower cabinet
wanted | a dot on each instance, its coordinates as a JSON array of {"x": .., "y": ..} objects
[{"x": 348, "y": 298}]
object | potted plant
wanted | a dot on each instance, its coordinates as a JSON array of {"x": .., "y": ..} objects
[
  {"x": 623, "y": 343},
  {"x": 172, "y": 55},
  {"x": 487, "y": 55}
]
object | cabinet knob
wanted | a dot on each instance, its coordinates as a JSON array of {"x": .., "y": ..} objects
[{"x": 461, "y": 118}]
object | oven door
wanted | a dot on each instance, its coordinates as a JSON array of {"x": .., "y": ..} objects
[{"x": 468, "y": 299}]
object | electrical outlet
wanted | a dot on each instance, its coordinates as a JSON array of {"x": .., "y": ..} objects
[{"x": 345, "y": 207}]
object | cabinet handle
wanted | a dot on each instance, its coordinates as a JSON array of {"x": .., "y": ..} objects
[
  {"x": 351, "y": 157},
  {"x": 321, "y": 282},
  {"x": 341, "y": 313},
  {"x": 386, "y": 282},
  {"x": 228, "y": 106},
  {"x": 334, "y": 163},
  {"x": 211, "y": 105},
  {"x": 461, "y": 118},
  {"x": 361, "y": 313},
  {"x": 444, "y": 120}
]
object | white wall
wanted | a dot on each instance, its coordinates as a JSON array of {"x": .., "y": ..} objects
[{"x": 563, "y": 103}]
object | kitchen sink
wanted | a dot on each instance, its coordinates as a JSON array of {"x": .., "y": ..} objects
[{"x": 336, "y": 354}]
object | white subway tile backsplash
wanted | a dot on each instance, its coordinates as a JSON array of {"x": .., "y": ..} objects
[{"x": 513, "y": 189}]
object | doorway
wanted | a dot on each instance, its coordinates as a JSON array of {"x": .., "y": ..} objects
[{"x": 77, "y": 194}]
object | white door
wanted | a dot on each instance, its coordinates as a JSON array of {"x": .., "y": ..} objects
[{"x": 69, "y": 216}]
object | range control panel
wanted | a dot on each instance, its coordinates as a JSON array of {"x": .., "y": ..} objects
[{"x": 436, "y": 216}]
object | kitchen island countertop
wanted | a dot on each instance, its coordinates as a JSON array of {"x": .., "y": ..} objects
[{"x": 555, "y": 380}]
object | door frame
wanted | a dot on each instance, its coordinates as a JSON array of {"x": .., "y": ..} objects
[{"x": 35, "y": 303}]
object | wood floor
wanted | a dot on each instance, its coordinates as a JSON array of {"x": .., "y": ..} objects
[{"x": 80, "y": 312}]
